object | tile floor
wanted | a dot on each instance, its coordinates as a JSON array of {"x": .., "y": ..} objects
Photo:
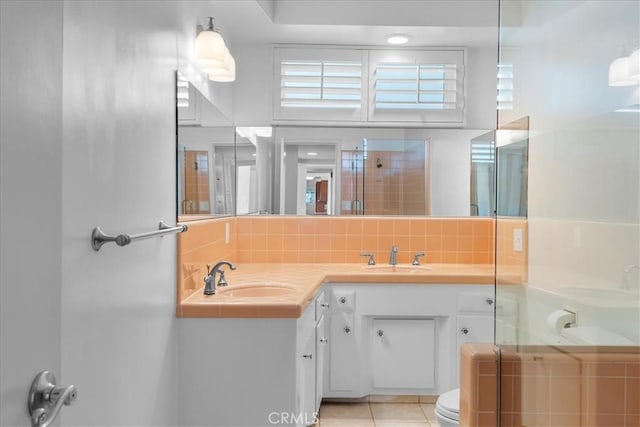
[{"x": 377, "y": 415}]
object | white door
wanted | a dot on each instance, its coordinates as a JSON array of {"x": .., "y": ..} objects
[
  {"x": 88, "y": 139},
  {"x": 30, "y": 260}
]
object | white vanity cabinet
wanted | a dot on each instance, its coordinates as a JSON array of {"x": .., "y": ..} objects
[
  {"x": 475, "y": 320},
  {"x": 387, "y": 339},
  {"x": 251, "y": 372}
]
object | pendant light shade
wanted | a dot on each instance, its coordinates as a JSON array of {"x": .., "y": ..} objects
[
  {"x": 619, "y": 72},
  {"x": 634, "y": 65},
  {"x": 213, "y": 56},
  {"x": 225, "y": 73}
]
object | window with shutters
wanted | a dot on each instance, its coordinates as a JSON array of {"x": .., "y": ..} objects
[
  {"x": 320, "y": 84},
  {"x": 424, "y": 87},
  {"x": 413, "y": 86}
]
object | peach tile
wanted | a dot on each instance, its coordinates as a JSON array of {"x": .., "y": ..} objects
[
  {"x": 605, "y": 369},
  {"x": 291, "y": 256},
  {"x": 259, "y": 226},
  {"x": 323, "y": 226},
  {"x": 369, "y": 227},
  {"x": 402, "y": 227},
  {"x": 338, "y": 226},
  {"x": 259, "y": 242},
  {"x": 487, "y": 419},
  {"x": 399, "y": 412},
  {"x": 450, "y": 227},
  {"x": 344, "y": 411},
  {"x": 354, "y": 243},
  {"x": 275, "y": 256},
  {"x": 604, "y": 395},
  {"x": 632, "y": 394},
  {"x": 607, "y": 420},
  {"x": 434, "y": 226},
  {"x": 633, "y": 370},
  {"x": 433, "y": 243},
  {"x": 306, "y": 226},
  {"x": 385, "y": 227},
  {"x": 290, "y": 226},
  {"x": 338, "y": 242},
  {"x": 566, "y": 395},
  {"x": 322, "y": 256},
  {"x": 417, "y": 243},
  {"x": 306, "y": 242},
  {"x": 369, "y": 243},
  {"x": 465, "y": 243},
  {"x": 290, "y": 243},
  {"x": 306, "y": 256},
  {"x": 465, "y": 227},
  {"x": 487, "y": 393},
  {"x": 449, "y": 243},
  {"x": 322, "y": 242},
  {"x": 418, "y": 227},
  {"x": 338, "y": 256},
  {"x": 464, "y": 258},
  {"x": 631, "y": 420}
]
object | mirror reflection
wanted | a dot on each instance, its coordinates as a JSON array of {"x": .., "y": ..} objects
[
  {"x": 355, "y": 171},
  {"x": 205, "y": 156},
  {"x": 483, "y": 188},
  {"x": 512, "y": 152}
]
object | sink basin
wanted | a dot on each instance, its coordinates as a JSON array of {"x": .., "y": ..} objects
[
  {"x": 601, "y": 296},
  {"x": 257, "y": 290},
  {"x": 400, "y": 268}
]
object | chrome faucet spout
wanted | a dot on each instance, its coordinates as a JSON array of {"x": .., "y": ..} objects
[
  {"x": 393, "y": 258},
  {"x": 210, "y": 279}
]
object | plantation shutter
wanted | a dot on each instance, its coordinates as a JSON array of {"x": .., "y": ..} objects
[
  {"x": 319, "y": 84},
  {"x": 417, "y": 86}
]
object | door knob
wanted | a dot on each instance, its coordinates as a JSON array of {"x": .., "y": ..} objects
[{"x": 46, "y": 399}]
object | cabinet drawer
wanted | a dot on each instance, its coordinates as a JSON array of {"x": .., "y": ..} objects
[
  {"x": 475, "y": 302},
  {"x": 322, "y": 305}
]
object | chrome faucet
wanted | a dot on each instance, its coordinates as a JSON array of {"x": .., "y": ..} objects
[
  {"x": 393, "y": 258},
  {"x": 210, "y": 279},
  {"x": 625, "y": 275}
]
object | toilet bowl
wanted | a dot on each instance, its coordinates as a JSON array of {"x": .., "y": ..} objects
[{"x": 448, "y": 408}]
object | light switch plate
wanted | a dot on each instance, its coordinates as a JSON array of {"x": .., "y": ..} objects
[
  {"x": 517, "y": 239},
  {"x": 226, "y": 233}
]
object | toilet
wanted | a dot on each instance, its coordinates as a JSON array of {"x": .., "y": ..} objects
[{"x": 448, "y": 408}]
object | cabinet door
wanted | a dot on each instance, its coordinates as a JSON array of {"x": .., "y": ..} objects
[
  {"x": 403, "y": 353},
  {"x": 308, "y": 380},
  {"x": 472, "y": 329},
  {"x": 321, "y": 348},
  {"x": 343, "y": 354}
]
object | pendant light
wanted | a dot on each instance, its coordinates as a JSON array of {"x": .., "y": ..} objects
[{"x": 213, "y": 56}]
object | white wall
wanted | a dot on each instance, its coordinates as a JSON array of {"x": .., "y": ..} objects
[
  {"x": 584, "y": 157},
  {"x": 252, "y": 99},
  {"x": 30, "y": 197}
]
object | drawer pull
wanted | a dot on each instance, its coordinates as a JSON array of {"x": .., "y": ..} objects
[
  {"x": 347, "y": 329},
  {"x": 380, "y": 333},
  {"x": 324, "y": 305},
  {"x": 308, "y": 356},
  {"x": 464, "y": 331},
  {"x": 343, "y": 300},
  {"x": 323, "y": 340},
  {"x": 489, "y": 301}
]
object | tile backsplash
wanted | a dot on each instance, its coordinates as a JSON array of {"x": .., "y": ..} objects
[{"x": 322, "y": 239}]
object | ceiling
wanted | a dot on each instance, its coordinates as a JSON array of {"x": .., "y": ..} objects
[{"x": 356, "y": 22}]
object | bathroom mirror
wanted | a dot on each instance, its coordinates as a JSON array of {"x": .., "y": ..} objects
[
  {"x": 205, "y": 164},
  {"x": 512, "y": 155},
  {"x": 483, "y": 187},
  {"x": 354, "y": 171}
]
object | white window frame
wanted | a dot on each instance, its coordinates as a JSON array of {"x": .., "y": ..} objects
[{"x": 285, "y": 114}]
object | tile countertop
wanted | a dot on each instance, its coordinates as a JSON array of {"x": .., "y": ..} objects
[{"x": 306, "y": 279}]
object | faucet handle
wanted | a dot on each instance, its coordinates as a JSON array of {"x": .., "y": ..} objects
[
  {"x": 222, "y": 281},
  {"x": 371, "y": 261},
  {"x": 415, "y": 258}
]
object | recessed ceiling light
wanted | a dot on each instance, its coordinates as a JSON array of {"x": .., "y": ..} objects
[
  {"x": 397, "y": 39},
  {"x": 312, "y": 154}
]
